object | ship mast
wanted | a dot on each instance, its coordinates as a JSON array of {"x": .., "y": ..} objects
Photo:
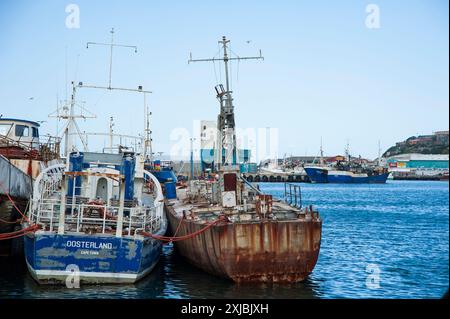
[
  {"x": 226, "y": 139},
  {"x": 146, "y": 147},
  {"x": 321, "y": 152},
  {"x": 347, "y": 151},
  {"x": 111, "y": 132},
  {"x": 111, "y": 45},
  {"x": 71, "y": 128},
  {"x": 379, "y": 153},
  {"x": 148, "y": 152}
]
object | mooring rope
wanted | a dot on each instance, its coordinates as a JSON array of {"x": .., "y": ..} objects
[
  {"x": 22, "y": 232},
  {"x": 12, "y": 202},
  {"x": 176, "y": 231},
  {"x": 222, "y": 218},
  {"x": 35, "y": 227}
]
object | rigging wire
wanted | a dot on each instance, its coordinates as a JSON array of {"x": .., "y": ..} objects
[
  {"x": 215, "y": 73},
  {"x": 214, "y": 64},
  {"x": 65, "y": 69},
  {"x": 220, "y": 67},
  {"x": 238, "y": 63},
  {"x": 76, "y": 68},
  {"x": 237, "y": 75},
  {"x": 231, "y": 71}
]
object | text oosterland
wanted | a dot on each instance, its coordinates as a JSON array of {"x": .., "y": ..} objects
[{"x": 88, "y": 244}]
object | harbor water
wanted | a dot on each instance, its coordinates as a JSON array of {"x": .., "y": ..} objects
[{"x": 379, "y": 241}]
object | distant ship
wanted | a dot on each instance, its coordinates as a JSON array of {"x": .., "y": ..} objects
[
  {"x": 346, "y": 171},
  {"x": 323, "y": 174}
]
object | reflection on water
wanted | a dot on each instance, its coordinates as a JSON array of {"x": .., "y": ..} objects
[
  {"x": 185, "y": 281},
  {"x": 172, "y": 278},
  {"x": 401, "y": 228}
]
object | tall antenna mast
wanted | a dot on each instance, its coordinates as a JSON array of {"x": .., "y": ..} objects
[
  {"x": 347, "y": 150},
  {"x": 71, "y": 128},
  {"x": 111, "y": 45},
  {"x": 148, "y": 152},
  {"x": 65, "y": 68},
  {"x": 147, "y": 139},
  {"x": 225, "y": 123},
  {"x": 111, "y": 132}
]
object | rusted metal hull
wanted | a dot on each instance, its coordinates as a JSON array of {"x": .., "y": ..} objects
[
  {"x": 264, "y": 251},
  {"x": 14, "y": 184}
]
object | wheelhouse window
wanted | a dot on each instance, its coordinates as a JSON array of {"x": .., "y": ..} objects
[
  {"x": 4, "y": 129},
  {"x": 35, "y": 131},
  {"x": 22, "y": 131}
]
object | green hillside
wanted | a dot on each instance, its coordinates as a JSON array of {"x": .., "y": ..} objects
[{"x": 429, "y": 144}]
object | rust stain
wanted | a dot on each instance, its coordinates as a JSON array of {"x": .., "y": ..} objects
[{"x": 264, "y": 251}]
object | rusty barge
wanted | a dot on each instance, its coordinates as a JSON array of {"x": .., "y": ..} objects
[
  {"x": 270, "y": 241},
  {"x": 228, "y": 228}
]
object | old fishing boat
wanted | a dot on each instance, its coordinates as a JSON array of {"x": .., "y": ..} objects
[
  {"x": 23, "y": 154},
  {"x": 346, "y": 175},
  {"x": 346, "y": 170},
  {"x": 87, "y": 214},
  {"x": 228, "y": 228}
]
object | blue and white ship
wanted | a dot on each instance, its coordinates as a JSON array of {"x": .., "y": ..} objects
[
  {"x": 93, "y": 209},
  {"x": 324, "y": 174},
  {"x": 346, "y": 171},
  {"x": 91, "y": 215}
]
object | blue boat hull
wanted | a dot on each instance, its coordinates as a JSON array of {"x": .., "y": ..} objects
[
  {"x": 318, "y": 175},
  {"x": 52, "y": 258}
]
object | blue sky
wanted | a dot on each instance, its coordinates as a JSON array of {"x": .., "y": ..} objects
[{"x": 325, "y": 74}]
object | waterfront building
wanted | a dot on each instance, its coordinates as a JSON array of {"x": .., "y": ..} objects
[{"x": 419, "y": 161}]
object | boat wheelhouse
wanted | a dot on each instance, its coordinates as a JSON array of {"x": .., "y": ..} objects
[{"x": 21, "y": 131}]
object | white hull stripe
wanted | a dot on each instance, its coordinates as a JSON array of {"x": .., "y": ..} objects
[
  {"x": 59, "y": 273},
  {"x": 64, "y": 273}
]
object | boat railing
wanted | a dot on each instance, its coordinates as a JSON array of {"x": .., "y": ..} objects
[
  {"x": 250, "y": 185},
  {"x": 293, "y": 195},
  {"x": 45, "y": 149},
  {"x": 82, "y": 216},
  {"x": 85, "y": 214}
]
